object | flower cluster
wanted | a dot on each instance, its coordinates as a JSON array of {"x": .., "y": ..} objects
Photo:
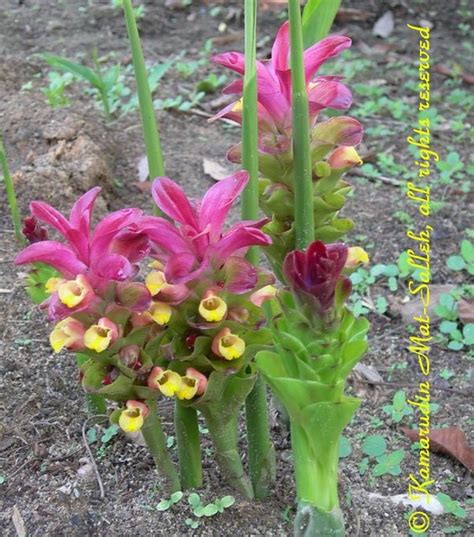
[
  {"x": 193, "y": 311},
  {"x": 333, "y": 140}
]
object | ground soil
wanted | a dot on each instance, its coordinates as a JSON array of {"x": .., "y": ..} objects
[{"x": 56, "y": 154}]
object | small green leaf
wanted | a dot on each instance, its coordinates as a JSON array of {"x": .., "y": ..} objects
[
  {"x": 363, "y": 465},
  {"x": 453, "y": 529},
  {"x": 191, "y": 523},
  {"x": 451, "y": 506},
  {"x": 198, "y": 511},
  {"x": 345, "y": 447},
  {"x": 2, "y": 479},
  {"x": 227, "y": 501},
  {"x": 210, "y": 510},
  {"x": 468, "y": 334},
  {"x": 176, "y": 496},
  {"x": 164, "y": 505},
  {"x": 467, "y": 251},
  {"x": 109, "y": 433},
  {"x": 455, "y": 345},
  {"x": 374, "y": 445},
  {"x": 91, "y": 435},
  {"x": 399, "y": 401},
  {"x": 381, "y": 305},
  {"x": 446, "y": 327},
  {"x": 389, "y": 464},
  {"x": 455, "y": 262},
  {"x": 194, "y": 500}
]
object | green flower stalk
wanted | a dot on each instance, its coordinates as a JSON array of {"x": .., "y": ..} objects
[
  {"x": 220, "y": 406},
  {"x": 156, "y": 442},
  {"x": 261, "y": 455},
  {"x": 303, "y": 181},
  {"x": 154, "y": 154},
  {"x": 317, "y": 342},
  {"x": 11, "y": 196},
  {"x": 189, "y": 447}
]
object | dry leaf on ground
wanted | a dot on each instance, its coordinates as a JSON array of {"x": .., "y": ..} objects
[
  {"x": 384, "y": 26},
  {"x": 214, "y": 169},
  {"x": 451, "y": 441},
  {"x": 142, "y": 168},
  {"x": 466, "y": 311}
]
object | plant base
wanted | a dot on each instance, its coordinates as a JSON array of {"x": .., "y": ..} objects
[{"x": 310, "y": 521}]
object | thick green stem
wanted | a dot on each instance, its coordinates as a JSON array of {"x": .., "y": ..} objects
[
  {"x": 260, "y": 450},
  {"x": 156, "y": 442},
  {"x": 250, "y": 121},
  {"x": 11, "y": 196},
  {"x": 223, "y": 432},
  {"x": 303, "y": 184},
  {"x": 95, "y": 403},
  {"x": 261, "y": 454},
  {"x": 150, "y": 128},
  {"x": 189, "y": 448},
  {"x": 316, "y": 478}
]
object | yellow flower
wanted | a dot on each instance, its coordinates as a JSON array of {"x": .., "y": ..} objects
[
  {"x": 169, "y": 383},
  {"x": 344, "y": 157},
  {"x": 263, "y": 294},
  {"x": 356, "y": 256},
  {"x": 71, "y": 293},
  {"x": 155, "y": 281},
  {"x": 238, "y": 106},
  {"x": 188, "y": 388},
  {"x": 68, "y": 333},
  {"x": 212, "y": 309},
  {"x": 132, "y": 418},
  {"x": 99, "y": 336},
  {"x": 52, "y": 285},
  {"x": 228, "y": 345},
  {"x": 160, "y": 312}
]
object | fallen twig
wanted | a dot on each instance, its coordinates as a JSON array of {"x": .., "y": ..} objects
[
  {"x": 404, "y": 385},
  {"x": 382, "y": 178},
  {"x": 89, "y": 452}
]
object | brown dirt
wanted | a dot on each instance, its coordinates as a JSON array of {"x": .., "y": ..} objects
[{"x": 57, "y": 154}]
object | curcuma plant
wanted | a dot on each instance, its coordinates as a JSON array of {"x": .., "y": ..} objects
[
  {"x": 175, "y": 305},
  {"x": 189, "y": 331},
  {"x": 302, "y": 158}
]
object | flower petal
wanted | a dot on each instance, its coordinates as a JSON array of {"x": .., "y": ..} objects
[
  {"x": 49, "y": 215},
  {"x": 113, "y": 267},
  {"x": 234, "y": 88},
  {"x": 316, "y": 55},
  {"x": 81, "y": 211},
  {"x": 217, "y": 202},
  {"x": 54, "y": 254},
  {"x": 182, "y": 268},
  {"x": 281, "y": 48},
  {"x": 172, "y": 200},
  {"x": 164, "y": 235},
  {"x": 241, "y": 276},
  {"x": 329, "y": 94},
  {"x": 231, "y": 60},
  {"x": 108, "y": 228},
  {"x": 237, "y": 241},
  {"x": 342, "y": 130}
]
